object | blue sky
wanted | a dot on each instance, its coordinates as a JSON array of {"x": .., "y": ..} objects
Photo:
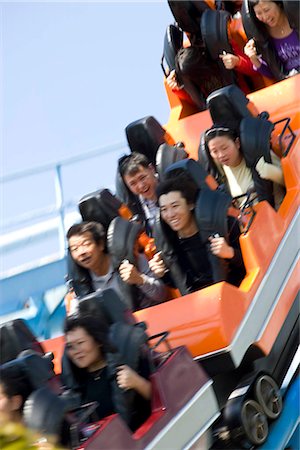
[{"x": 74, "y": 75}]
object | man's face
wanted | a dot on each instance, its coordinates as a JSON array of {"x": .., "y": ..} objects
[
  {"x": 175, "y": 211},
  {"x": 85, "y": 251},
  {"x": 143, "y": 182}
]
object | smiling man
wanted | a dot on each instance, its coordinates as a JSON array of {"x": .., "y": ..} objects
[
  {"x": 141, "y": 179},
  {"x": 87, "y": 246},
  {"x": 196, "y": 260}
]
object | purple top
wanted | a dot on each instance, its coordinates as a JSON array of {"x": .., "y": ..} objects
[{"x": 288, "y": 51}]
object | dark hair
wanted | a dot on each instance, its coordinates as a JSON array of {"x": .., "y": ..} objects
[
  {"x": 255, "y": 2},
  {"x": 193, "y": 65},
  {"x": 178, "y": 180},
  {"x": 95, "y": 228},
  {"x": 95, "y": 325},
  {"x": 13, "y": 381},
  {"x": 220, "y": 130},
  {"x": 129, "y": 164}
]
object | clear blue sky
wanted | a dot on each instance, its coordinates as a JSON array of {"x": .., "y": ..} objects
[{"x": 74, "y": 75}]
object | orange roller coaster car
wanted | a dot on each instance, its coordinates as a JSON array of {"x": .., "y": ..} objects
[{"x": 237, "y": 335}]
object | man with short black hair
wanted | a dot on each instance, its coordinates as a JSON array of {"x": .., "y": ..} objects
[
  {"x": 141, "y": 179},
  {"x": 87, "y": 246}
]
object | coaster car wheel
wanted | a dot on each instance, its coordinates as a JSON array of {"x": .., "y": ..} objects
[
  {"x": 254, "y": 422},
  {"x": 268, "y": 396}
]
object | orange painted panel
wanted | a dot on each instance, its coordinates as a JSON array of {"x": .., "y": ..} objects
[{"x": 56, "y": 346}]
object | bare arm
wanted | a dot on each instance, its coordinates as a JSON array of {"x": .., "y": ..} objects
[{"x": 128, "y": 378}]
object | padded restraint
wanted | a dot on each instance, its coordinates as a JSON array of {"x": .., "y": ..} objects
[
  {"x": 211, "y": 213},
  {"x": 172, "y": 43},
  {"x": 214, "y": 31},
  {"x": 106, "y": 303},
  {"x": 145, "y": 136},
  {"x": 100, "y": 206},
  {"x": 15, "y": 337},
  {"x": 127, "y": 197},
  {"x": 187, "y": 14},
  {"x": 292, "y": 10},
  {"x": 79, "y": 277},
  {"x": 36, "y": 370},
  {"x": 256, "y": 30},
  {"x": 228, "y": 104},
  {"x": 129, "y": 340},
  {"x": 44, "y": 411},
  {"x": 255, "y": 137},
  {"x": 207, "y": 162},
  {"x": 194, "y": 169},
  {"x": 121, "y": 238},
  {"x": 166, "y": 156}
]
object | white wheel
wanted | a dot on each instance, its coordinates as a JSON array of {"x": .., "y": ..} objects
[
  {"x": 268, "y": 396},
  {"x": 254, "y": 422}
]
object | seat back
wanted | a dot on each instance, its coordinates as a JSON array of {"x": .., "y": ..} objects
[
  {"x": 145, "y": 136},
  {"x": 78, "y": 277},
  {"x": 166, "y": 156},
  {"x": 46, "y": 413},
  {"x": 211, "y": 213},
  {"x": 16, "y": 336},
  {"x": 190, "y": 166},
  {"x": 255, "y": 137},
  {"x": 172, "y": 43},
  {"x": 108, "y": 304},
  {"x": 100, "y": 206},
  {"x": 214, "y": 26},
  {"x": 292, "y": 10},
  {"x": 121, "y": 239},
  {"x": 130, "y": 340},
  {"x": 228, "y": 105},
  {"x": 187, "y": 14},
  {"x": 29, "y": 372},
  {"x": 38, "y": 369},
  {"x": 256, "y": 30}
]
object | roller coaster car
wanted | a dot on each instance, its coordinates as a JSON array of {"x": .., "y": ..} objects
[
  {"x": 234, "y": 332},
  {"x": 178, "y": 383},
  {"x": 243, "y": 338}
]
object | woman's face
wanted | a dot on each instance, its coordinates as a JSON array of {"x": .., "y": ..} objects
[
  {"x": 268, "y": 12},
  {"x": 83, "y": 350},
  {"x": 225, "y": 151},
  {"x": 175, "y": 211}
]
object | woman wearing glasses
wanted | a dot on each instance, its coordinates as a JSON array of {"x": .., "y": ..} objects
[{"x": 225, "y": 151}]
